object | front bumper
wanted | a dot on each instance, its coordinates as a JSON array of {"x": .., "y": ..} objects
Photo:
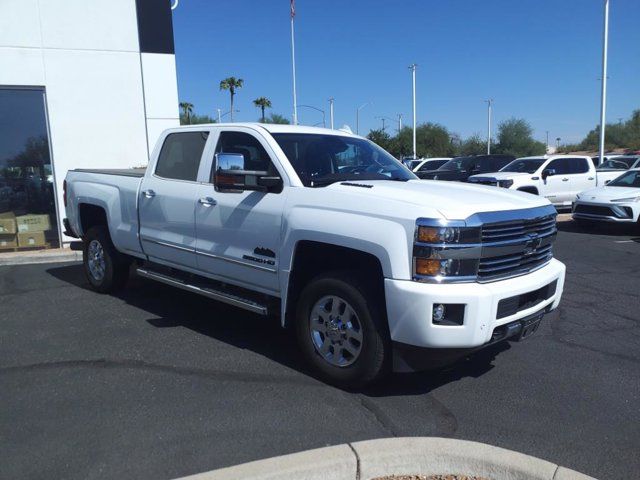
[
  {"x": 605, "y": 212},
  {"x": 410, "y": 307}
]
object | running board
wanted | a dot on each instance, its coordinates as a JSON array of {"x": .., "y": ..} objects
[{"x": 223, "y": 297}]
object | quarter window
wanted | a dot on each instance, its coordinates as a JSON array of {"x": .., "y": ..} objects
[{"x": 180, "y": 155}]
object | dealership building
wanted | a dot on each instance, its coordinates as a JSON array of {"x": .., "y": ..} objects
[{"x": 83, "y": 84}]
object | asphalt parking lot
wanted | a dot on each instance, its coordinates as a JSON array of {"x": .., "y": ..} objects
[{"x": 157, "y": 383}]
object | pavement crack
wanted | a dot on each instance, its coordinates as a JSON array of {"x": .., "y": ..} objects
[
  {"x": 357, "y": 461},
  {"x": 103, "y": 363},
  {"x": 379, "y": 415}
]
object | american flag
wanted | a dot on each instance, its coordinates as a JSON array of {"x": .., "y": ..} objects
[{"x": 293, "y": 8}]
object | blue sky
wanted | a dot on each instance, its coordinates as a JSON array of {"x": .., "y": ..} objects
[{"x": 538, "y": 59}]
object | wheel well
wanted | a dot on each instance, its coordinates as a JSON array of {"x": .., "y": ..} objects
[
  {"x": 91, "y": 216},
  {"x": 311, "y": 259},
  {"x": 532, "y": 190}
]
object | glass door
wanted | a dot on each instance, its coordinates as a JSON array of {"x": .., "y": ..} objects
[{"x": 28, "y": 218}]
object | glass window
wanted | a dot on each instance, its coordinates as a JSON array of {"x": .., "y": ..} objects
[
  {"x": 561, "y": 166},
  {"x": 321, "y": 160},
  {"x": 618, "y": 163},
  {"x": 629, "y": 179},
  {"x": 255, "y": 156},
  {"x": 28, "y": 217},
  {"x": 579, "y": 165},
  {"x": 180, "y": 155}
]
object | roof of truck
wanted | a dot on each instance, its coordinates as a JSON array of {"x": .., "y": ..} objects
[{"x": 276, "y": 128}]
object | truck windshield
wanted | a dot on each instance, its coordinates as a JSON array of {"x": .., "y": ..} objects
[
  {"x": 321, "y": 160},
  {"x": 458, "y": 164},
  {"x": 524, "y": 166},
  {"x": 629, "y": 179}
]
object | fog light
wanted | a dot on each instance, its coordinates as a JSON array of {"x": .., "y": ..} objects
[{"x": 438, "y": 313}]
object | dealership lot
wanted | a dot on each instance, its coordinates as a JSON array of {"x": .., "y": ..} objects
[{"x": 158, "y": 383}]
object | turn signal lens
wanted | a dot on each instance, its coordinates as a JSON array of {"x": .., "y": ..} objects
[
  {"x": 436, "y": 234},
  {"x": 432, "y": 267}
]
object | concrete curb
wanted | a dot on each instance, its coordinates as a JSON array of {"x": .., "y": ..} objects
[
  {"x": 40, "y": 256},
  {"x": 398, "y": 456}
]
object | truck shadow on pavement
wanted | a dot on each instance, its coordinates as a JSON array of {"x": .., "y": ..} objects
[
  {"x": 608, "y": 229},
  {"x": 173, "y": 308}
]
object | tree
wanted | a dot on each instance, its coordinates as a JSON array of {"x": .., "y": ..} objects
[
  {"x": 432, "y": 140},
  {"x": 187, "y": 111},
  {"x": 474, "y": 145},
  {"x": 277, "y": 118},
  {"x": 617, "y": 135},
  {"x": 231, "y": 84},
  {"x": 381, "y": 138},
  {"x": 515, "y": 137},
  {"x": 262, "y": 103}
]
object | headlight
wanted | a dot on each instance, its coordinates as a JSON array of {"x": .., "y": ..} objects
[
  {"x": 445, "y": 251},
  {"x": 505, "y": 183},
  {"x": 628, "y": 199}
]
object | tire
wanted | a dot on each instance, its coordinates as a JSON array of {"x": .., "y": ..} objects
[
  {"x": 349, "y": 362},
  {"x": 106, "y": 269}
]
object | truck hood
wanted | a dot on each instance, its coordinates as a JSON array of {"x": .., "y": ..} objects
[
  {"x": 453, "y": 200},
  {"x": 501, "y": 175},
  {"x": 606, "y": 194}
]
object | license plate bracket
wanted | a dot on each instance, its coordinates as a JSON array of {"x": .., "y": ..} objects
[{"x": 529, "y": 327}]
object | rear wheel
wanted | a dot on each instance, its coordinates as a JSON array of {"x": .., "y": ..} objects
[
  {"x": 106, "y": 269},
  {"x": 341, "y": 328}
]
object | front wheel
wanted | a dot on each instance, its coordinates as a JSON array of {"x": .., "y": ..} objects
[
  {"x": 106, "y": 269},
  {"x": 341, "y": 328}
]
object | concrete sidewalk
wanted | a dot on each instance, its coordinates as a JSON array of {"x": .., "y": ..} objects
[
  {"x": 398, "y": 456},
  {"x": 53, "y": 255}
]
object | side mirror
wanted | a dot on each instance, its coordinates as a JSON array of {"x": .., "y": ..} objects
[
  {"x": 548, "y": 172},
  {"x": 231, "y": 175}
]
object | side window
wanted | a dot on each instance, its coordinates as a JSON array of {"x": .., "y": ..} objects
[
  {"x": 255, "y": 156},
  {"x": 578, "y": 165},
  {"x": 180, "y": 155},
  {"x": 426, "y": 167},
  {"x": 560, "y": 165}
]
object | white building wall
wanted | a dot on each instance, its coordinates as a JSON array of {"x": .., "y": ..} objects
[{"x": 107, "y": 103}]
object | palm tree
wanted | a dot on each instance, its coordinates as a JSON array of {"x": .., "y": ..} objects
[
  {"x": 231, "y": 83},
  {"x": 187, "y": 110},
  {"x": 262, "y": 102}
]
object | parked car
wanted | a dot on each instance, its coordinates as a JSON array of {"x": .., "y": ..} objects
[
  {"x": 618, "y": 201},
  {"x": 461, "y": 168},
  {"x": 373, "y": 268},
  {"x": 426, "y": 164},
  {"x": 596, "y": 159},
  {"x": 558, "y": 178}
]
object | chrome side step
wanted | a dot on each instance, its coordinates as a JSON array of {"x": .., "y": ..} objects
[{"x": 223, "y": 297}]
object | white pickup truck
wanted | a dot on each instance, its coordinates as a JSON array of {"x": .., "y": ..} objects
[
  {"x": 373, "y": 267},
  {"x": 559, "y": 178}
]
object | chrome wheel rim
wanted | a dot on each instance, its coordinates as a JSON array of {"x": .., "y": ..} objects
[
  {"x": 95, "y": 260},
  {"x": 336, "y": 331}
]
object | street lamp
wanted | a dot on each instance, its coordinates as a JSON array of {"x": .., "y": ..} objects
[
  {"x": 489, "y": 103},
  {"x": 358, "y": 116},
  {"x": 222, "y": 115},
  {"x": 412, "y": 67},
  {"x": 603, "y": 92},
  {"x": 557, "y": 144},
  {"x": 315, "y": 108},
  {"x": 331, "y": 112}
]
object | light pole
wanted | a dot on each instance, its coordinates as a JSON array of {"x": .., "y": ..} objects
[
  {"x": 489, "y": 104},
  {"x": 315, "y": 108},
  {"x": 557, "y": 144},
  {"x": 603, "y": 93},
  {"x": 358, "y": 116},
  {"x": 413, "y": 75},
  {"x": 331, "y": 112},
  {"x": 399, "y": 122},
  {"x": 219, "y": 115}
]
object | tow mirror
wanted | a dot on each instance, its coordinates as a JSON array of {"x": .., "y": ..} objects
[
  {"x": 231, "y": 175},
  {"x": 548, "y": 172}
]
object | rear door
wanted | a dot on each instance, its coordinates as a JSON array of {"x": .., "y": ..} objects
[
  {"x": 239, "y": 232},
  {"x": 581, "y": 176},
  {"x": 168, "y": 197}
]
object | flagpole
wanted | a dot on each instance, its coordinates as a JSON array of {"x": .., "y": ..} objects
[{"x": 293, "y": 64}]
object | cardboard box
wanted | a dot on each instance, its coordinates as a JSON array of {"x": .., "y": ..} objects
[
  {"x": 33, "y": 223},
  {"x": 31, "y": 239},
  {"x": 7, "y": 225},
  {"x": 8, "y": 241}
]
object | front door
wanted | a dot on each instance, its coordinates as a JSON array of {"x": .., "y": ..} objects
[
  {"x": 555, "y": 187},
  {"x": 239, "y": 232},
  {"x": 167, "y": 200}
]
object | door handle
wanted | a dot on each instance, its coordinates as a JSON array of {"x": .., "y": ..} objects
[
  {"x": 590, "y": 178},
  {"x": 207, "y": 202},
  {"x": 565, "y": 179},
  {"x": 149, "y": 193}
]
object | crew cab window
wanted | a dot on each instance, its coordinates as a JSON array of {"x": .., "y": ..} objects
[
  {"x": 569, "y": 166},
  {"x": 255, "y": 156},
  {"x": 180, "y": 155}
]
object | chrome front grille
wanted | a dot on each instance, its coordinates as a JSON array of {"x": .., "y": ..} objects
[{"x": 516, "y": 247}]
